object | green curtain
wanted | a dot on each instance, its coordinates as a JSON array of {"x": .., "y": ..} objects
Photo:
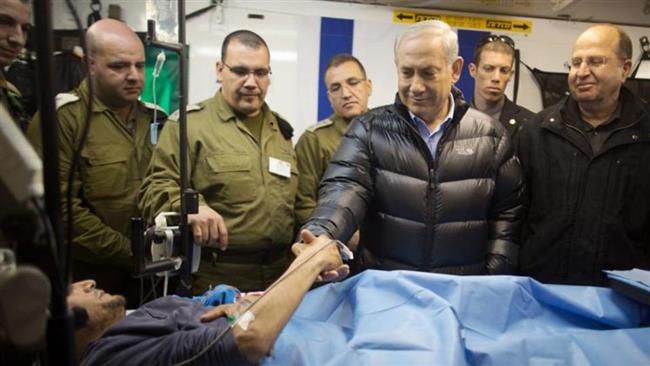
[{"x": 167, "y": 88}]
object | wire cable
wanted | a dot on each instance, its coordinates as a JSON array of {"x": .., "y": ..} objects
[
  {"x": 76, "y": 156},
  {"x": 250, "y": 307},
  {"x": 50, "y": 237},
  {"x": 155, "y": 100}
]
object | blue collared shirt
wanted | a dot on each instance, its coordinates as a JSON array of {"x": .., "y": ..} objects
[{"x": 432, "y": 138}]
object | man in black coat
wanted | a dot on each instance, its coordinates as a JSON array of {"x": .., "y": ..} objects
[
  {"x": 587, "y": 166},
  {"x": 491, "y": 68},
  {"x": 432, "y": 182}
]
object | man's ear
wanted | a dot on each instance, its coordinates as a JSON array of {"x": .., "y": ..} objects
[
  {"x": 219, "y": 69},
  {"x": 457, "y": 68},
  {"x": 627, "y": 68},
  {"x": 472, "y": 69},
  {"x": 330, "y": 99},
  {"x": 79, "y": 317},
  {"x": 91, "y": 64}
]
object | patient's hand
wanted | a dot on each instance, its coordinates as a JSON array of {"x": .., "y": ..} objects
[
  {"x": 231, "y": 310},
  {"x": 218, "y": 312}
]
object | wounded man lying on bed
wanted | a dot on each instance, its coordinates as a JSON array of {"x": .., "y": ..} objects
[{"x": 172, "y": 330}]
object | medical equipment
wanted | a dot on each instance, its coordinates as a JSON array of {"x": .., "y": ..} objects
[
  {"x": 160, "y": 61},
  {"x": 189, "y": 201},
  {"x": 158, "y": 249}
]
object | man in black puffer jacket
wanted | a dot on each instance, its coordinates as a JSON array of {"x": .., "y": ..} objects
[{"x": 432, "y": 183}]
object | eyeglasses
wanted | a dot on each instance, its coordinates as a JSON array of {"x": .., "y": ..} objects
[
  {"x": 496, "y": 38},
  {"x": 243, "y": 72},
  {"x": 337, "y": 88},
  {"x": 592, "y": 62}
]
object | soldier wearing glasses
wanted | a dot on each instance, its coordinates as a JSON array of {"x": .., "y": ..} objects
[
  {"x": 586, "y": 164},
  {"x": 348, "y": 90},
  {"x": 243, "y": 166},
  {"x": 491, "y": 68}
]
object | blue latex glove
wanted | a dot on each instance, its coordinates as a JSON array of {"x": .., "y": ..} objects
[{"x": 222, "y": 294}]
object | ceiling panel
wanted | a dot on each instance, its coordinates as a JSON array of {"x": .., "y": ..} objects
[{"x": 624, "y": 12}]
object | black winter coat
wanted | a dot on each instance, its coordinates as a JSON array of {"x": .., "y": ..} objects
[
  {"x": 587, "y": 212},
  {"x": 513, "y": 116},
  {"x": 459, "y": 213}
]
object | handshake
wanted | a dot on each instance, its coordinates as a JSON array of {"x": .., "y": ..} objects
[{"x": 328, "y": 253}]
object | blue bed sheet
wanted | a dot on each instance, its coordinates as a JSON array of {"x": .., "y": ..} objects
[{"x": 412, "y": 318}]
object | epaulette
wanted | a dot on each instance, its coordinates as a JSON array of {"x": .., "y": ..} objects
[
  {"x": 285, "y": 127},
  {"x": 65, "y": 98},
  {"x": 321, "y": 124},
  {"x": 152, "y": 106},
  {"x": 190, "y": 108}
]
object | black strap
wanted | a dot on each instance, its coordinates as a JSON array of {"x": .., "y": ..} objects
[
  {"x": 516, "y": 83},
  {"x": 645, "y": 55},
  {"x": 285, "y": 127}
]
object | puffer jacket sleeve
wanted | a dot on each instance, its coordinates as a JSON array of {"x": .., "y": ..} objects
[
  {"x": 347, "y": 186},
  {"x": 506, "y": 210}
]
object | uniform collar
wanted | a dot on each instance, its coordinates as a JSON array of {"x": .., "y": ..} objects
[
  {"x": 339, "y": 123},
  {"x": 98, "y": 105},
  {"x": 5, "y": 84},
  {"x": 226, "y": 113}
]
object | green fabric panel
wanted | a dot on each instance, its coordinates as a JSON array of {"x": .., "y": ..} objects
[{"x": 167, "y": 88}]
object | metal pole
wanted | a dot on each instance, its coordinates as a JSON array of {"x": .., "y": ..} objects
[
  {"x": 60, "y": 349},
  {"x": 185, "y": 285}
]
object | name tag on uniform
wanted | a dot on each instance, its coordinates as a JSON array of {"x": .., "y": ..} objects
[{"x": 279, "y": 167}]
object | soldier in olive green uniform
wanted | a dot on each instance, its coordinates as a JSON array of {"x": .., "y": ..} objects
[
  {"x": 114, "y": 157},
  {"x": 242, "y": 164},
  {"x": 16, "y": 15},
  {"x": 348, "y": 90}
]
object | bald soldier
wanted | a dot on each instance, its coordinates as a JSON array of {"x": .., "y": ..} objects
[
  {"x": 242, "y": 164},
  {"x": 113, "y": 159},
  {"x": 348, "y": 90},
  {"x": 585, "y": 160},
  {"x": 15, "y": 18}
]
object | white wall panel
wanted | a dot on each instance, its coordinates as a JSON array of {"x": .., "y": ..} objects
[{"x": 292, "y": 30}]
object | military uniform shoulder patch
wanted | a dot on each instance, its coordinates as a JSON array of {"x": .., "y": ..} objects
[
  {"x": 285, "y": 127},
  {"x": 65, "y": 98},
  {"x": 190, "y": 108},
  {"x": 157, "y": 108},
  {"x": 319, "y": 125}
]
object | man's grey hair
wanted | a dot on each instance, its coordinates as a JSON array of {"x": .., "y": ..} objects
[{"x": 438, "y": 28}]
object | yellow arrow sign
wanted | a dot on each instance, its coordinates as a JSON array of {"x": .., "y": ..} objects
[{"x": 457, "y": 21}]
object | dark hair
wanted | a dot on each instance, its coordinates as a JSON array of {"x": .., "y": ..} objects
[
  {"x": 342, "y": 58},
  {"x": 247, "y": 38},
  {"x": 502, "y": 44},
  {"x": 624, "y": 50}
]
